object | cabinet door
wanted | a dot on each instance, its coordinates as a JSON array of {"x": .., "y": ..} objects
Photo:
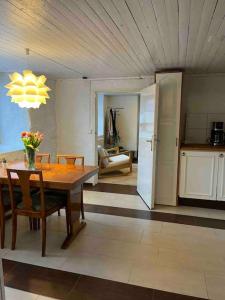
[
  {"x": 221, "y": 177},
  {"x": 198, "y": 175}
]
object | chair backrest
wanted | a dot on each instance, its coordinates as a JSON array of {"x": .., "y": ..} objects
[
  {"x": 41, "y": 156},
  {"x": 70, "y": 159},
  {"x": 24, "y": 180}
]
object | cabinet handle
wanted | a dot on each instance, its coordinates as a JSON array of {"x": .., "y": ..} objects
[
  {"x": 221, "y": 155},
  {"x": 183, "y": 154}
]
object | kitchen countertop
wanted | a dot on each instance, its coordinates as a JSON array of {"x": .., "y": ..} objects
[{"x": 202, "y": 147}]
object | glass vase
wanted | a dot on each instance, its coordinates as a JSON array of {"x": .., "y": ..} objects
[{"x": 30, "y": 156}]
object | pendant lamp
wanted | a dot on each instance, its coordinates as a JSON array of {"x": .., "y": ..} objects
[{"x": 27, "y": 89}]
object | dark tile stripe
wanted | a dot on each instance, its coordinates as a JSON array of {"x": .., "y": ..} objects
[
  {"x": 202, "y": 203},
  {"x": 112, "y": 188},
  {"x": 155, "y": 215},
  {"x": 66, "y": 285}
]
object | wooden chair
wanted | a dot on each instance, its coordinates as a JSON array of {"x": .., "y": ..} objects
[
  {"x": 5, "y": 206},
  {"x": 109, "y": 162},
  {"x": 71, "y": 160},
  {"x": 39, "y": 205},
  {"x": 41, "y": 156}
]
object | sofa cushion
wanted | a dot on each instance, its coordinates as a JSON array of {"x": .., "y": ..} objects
[{"x": 118, "y": 160}]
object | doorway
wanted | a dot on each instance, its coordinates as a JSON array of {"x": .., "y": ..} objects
[{"x": 117, "y": 133}]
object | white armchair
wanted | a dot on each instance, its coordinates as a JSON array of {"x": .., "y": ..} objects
[{"x": 112, "y": 162}]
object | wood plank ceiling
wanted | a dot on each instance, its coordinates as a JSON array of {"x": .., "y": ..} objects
[{"x": 112, "y": 38}]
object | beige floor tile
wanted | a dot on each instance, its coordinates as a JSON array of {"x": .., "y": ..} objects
[
  {"x": 197, "y": 244},
  {"x": 99, "y": 266},
  {"x": 28, "y": 249},
  {"x": 176, "y": 280},
  {"x": 129, "y": 234},
  {"x": 114, "y": 248},
  {"x": 215, "y": 287},
  {"x": 187, "y": 230},
  {"x": 192, "y": 261},
  {"x": 191, "y": 211},
  {"x": 115, "y": 200},
  {"x": 154, "y": 226},
  {"x": 12, "y": 294}
]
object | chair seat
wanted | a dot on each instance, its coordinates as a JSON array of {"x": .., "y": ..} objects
[
  {"x": 52, "y": 200},
  {"x": 6, "y": 196}
]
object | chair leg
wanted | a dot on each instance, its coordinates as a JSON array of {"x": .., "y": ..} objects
[
  {"x": 38, "y": 223},
  {"x": 43, "y": 236},
  {"x": 59, "y": 214},
  {"x": 31, "y": 223},
  {"x": 2, "y": 228},
  {"x": 14, "y": 230},
  {"x": 67, "y": 220},
  {"x": 82, "y": 202},
  {"x": 131, "y": 168}
]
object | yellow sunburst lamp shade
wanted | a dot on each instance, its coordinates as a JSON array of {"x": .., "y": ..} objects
[{"x": 27, "y": 89}]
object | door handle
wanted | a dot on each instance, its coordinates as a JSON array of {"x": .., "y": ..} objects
[{"x": 149, "y": 141}]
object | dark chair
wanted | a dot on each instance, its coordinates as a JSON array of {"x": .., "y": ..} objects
[
  {"x": 71, "y": 159},
  {"x": 39, "y": 205},
  {"x": 5, "y": 206}
]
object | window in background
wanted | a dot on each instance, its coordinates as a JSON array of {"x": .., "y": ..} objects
[
  {"x": 101, "y": 115},
  {"x": 13, "y": 120}
]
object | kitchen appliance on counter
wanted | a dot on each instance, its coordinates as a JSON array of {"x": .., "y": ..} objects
[{"x": 217, "y": 134}]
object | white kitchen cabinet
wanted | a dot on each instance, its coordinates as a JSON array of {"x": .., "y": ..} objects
[
  {"x": 199, "y": 175},
  {"x": 221, "y": 178}
]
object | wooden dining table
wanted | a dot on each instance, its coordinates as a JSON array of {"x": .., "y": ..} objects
[{"x": 68, "y": 178}]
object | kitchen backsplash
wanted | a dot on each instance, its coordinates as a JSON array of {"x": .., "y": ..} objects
[{"x": 198, "y": 127}]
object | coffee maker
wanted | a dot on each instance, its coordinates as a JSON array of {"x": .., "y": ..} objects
[{"x": 217, "y": 134}]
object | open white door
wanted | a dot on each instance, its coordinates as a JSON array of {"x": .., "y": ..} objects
[{"x": 147, "y": 144}]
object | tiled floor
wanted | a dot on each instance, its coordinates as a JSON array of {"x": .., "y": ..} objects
[
  {"x": 126, "y": 196},
  {"x": 192, "y": 211},
  {"x": 70, "y": 286},
  {"x": 116, "y": 200},
  {"x": 183, "y": 259}
]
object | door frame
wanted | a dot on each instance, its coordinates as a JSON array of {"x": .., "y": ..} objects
[
  {"x": 121, "y": 85},
  {"x": 96, "y": 119}
]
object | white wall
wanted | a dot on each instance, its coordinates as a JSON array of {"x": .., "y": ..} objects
[
  {"x": 44, "y": 120},
  {"x": 203, "y": 98},
  {"x": 127, "y": 118},
  {"x": 75, "y": 111}
]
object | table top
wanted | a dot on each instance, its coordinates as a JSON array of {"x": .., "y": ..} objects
[{"x": 55, "y": 176}]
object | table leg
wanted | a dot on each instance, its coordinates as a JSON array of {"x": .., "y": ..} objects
[{"x": 76, "y": 224}]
